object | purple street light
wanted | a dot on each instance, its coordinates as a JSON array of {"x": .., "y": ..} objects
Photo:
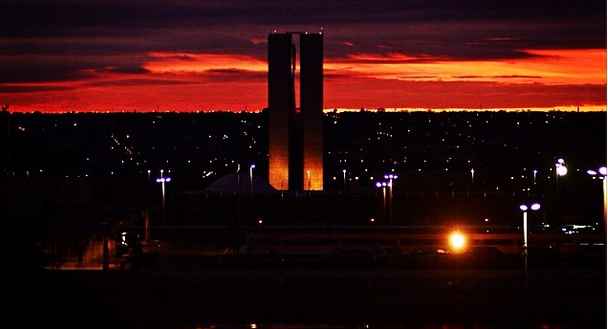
[
  {"x": 524, "y": 208},
  {"x": 163, "y": 181}
]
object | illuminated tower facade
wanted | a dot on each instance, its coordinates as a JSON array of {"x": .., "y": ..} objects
[
  {"x": 311, "y": 101},
  {"x": 295, "y": 139},
  {"x": 281, "y": 105}
]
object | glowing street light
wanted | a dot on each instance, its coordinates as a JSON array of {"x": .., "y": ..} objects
[
  {"x": 390, "y": 178},
  {"x": 390, "y": 199},
  {"x": 383, "y": 186},
  {"x": 560, "y": 171},
  {"x": 251, "y": 177},
  {"x": 457, "y": 241},
  {"x": 163, "y": 180},
  {"x": 524, "y": 208},
  {"x": 560, "y": 167},
  {"x": 601, "y": 174}
]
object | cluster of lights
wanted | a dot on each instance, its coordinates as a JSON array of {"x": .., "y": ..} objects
[
  {"x": 163, "y": 180},
  {"x": 389, "y": 183},
  {"x": 600, "y": 173}
]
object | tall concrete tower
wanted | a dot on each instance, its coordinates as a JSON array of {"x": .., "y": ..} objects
[
  {"x": 282, "y": 109},
  {"x": 311, "y": 101},
  {"x": 295, "y": 139}
]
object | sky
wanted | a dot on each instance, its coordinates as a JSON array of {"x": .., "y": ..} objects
[{"x": 186, "y": 55}]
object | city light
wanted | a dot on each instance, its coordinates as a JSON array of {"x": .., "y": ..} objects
[
  {"x": 457, "y": 241},
  {"x": 163, "y": 180},
  {"x": 560, "y": 168},
  {"x": 524, "y": 208}
]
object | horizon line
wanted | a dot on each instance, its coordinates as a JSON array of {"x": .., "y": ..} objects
[{"x": 569, "y": 108}]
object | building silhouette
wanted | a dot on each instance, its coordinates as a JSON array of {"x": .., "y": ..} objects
[{"x": 295, "y": 138}]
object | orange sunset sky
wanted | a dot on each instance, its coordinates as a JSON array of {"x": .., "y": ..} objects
[{"x": 203, "y": 55}]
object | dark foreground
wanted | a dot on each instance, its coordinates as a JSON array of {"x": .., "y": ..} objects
[{"x": 320, "y": 298}]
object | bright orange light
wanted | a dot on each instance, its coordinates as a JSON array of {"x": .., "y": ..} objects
[{"x": 457, "y": 241}]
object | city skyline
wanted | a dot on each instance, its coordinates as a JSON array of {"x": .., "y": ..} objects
[{"x": 108, "y": 56}]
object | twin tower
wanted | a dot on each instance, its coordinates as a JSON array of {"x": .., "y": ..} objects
[{"x": 295, "y": 134}]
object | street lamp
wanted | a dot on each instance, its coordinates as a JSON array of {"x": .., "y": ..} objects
[
  {"x": 251, "y": 177},
  {"x": 457, "y": 241},
  {"x": 524, "y": 208},
  {"x": 560, "y": 171},
  {"x": 601, "y": 174},
  {"x": 390, "y": 178},
  {"x": 383, "y": 186},
  {"x": 163, "y": 180}
]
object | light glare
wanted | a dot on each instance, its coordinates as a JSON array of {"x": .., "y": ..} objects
[{"x": 457, "y": 241}]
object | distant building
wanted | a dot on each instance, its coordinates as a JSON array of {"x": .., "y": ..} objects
[{"x": 295, "y": 139}]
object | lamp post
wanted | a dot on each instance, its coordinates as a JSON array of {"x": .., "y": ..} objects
[
  {"x": 390, "y": 178},
  {"x": 344, "y": 177},
  {"x": 524, "y": 208},
  {"x": 560, "y": 170},
  {"x": 238, "y": 178},
  {"x": 251, "y": 177},
  {"x": 601, "y": 174},
  {"x": 163, "y": 180},
  {"x": 383, "y": 185},
  {"x": 472, "y": 176}
]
